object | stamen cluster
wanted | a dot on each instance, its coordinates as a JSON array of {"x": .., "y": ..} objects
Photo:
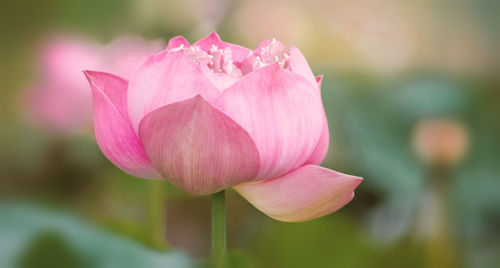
[{"x": 216, "y": 59}]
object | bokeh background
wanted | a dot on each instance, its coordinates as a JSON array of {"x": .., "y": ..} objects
[{"x": 411, "y": 90}]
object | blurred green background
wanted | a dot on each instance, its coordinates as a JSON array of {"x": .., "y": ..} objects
[{"x": 388, "y": 66}]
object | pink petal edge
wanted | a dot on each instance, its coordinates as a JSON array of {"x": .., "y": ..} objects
[
  {"x": 306, "y": 193},
  {"x": 319, "y": 153},
  {"x": 298, "y": 64}
]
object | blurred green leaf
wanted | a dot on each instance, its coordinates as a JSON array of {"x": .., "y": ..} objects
[
  {"x": 49, "y": 249},
  {"x": 34, "y": 235}
]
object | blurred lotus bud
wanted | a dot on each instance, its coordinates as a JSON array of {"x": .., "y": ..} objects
[
  {"x": 60, "y": 99},
  {"x": 440, "y": 141}
]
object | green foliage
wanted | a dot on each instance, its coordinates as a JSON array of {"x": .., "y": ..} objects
[
  {"x": 49, "y": 249},
  {"x": 36, "y": 237}
]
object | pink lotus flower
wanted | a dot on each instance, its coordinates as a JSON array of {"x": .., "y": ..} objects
[
  {"x": 61, "y": 100},
  {"x": 214, "y": 115}
]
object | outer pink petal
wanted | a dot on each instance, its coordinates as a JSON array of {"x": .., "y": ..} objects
[
  {"x": 321, "y": 149},
  {"x": 113, "y": 131},
  {"x": 239, "y": 53},
  {"x": 176, "y": 42},
  {"x": 306, "y": 193},
  {"x": 298, "y": 64},
  {"x": 163, "y": 79},
  {"x": 281, "y": 111},
  {"x": 198, "y": 148}
]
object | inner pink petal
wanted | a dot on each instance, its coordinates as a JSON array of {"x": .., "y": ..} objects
[{"x": 268, "y": 52}]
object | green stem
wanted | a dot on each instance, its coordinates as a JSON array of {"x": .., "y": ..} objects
[
  {"x": 157, "y": 214},
  {"x": 441, "y": 249},
  {"x": 219, "y": 229}
]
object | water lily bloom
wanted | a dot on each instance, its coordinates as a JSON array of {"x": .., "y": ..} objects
[
  {"x": 214, "y": 115},
  {"x": 60, "y": 100}
]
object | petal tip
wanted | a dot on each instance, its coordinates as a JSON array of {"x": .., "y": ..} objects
[
  {"x": 206, "y": 42},
  {"x": 88, "y": 74},
  {"x": 94, "y": 76},
  {"x": 91, "y": 78},
  {"x": 355, "y": 182},
  {"x": 319, "y": 79},
  {"x": 214, "y": 34},
  {"x": 176, "y": 41},
  {"x": 354, "y": 179}
]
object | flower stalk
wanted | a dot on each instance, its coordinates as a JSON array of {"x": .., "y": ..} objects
[
  {"x": 219, "y": 246},
  {"x": 441, "y": 249},
  {"x": 157, "y": 214}
]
